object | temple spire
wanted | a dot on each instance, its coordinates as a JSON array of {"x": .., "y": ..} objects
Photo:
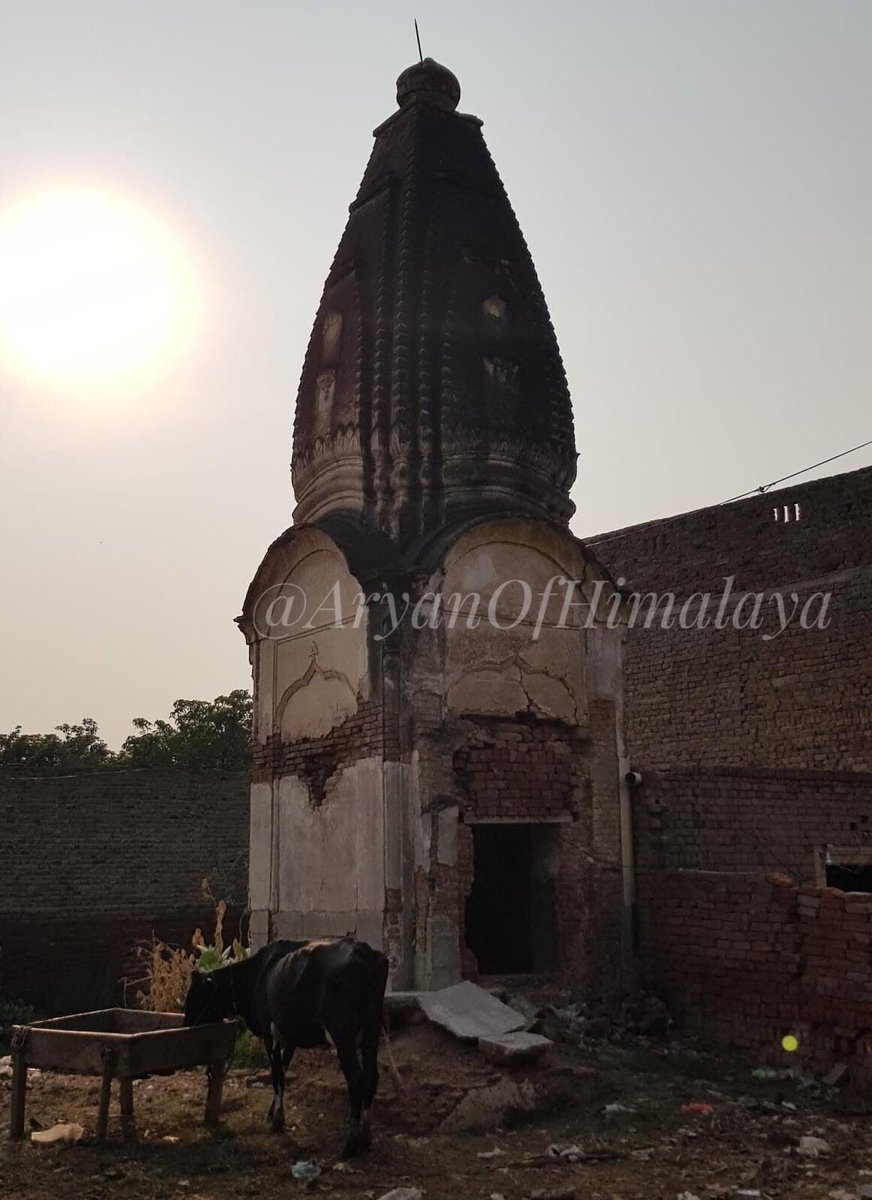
[{"x": 433, "y": 387}]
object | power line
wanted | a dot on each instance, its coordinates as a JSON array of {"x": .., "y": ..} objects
[
  {"x": 784, "y": 478},
  {"x": 758, "y": 491}
]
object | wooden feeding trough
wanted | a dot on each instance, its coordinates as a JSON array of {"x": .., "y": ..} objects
[{"x": 123, "y": 1044}]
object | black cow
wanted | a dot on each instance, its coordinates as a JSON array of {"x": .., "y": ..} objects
[{"x": 305, "y": 994}]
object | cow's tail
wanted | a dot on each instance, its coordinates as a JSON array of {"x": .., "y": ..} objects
[
  {"x": 371, "y": 1022},
  {"x": 389, "y": 1051}
]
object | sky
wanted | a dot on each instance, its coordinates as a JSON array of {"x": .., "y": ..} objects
[{"x": 693, "y": 178}]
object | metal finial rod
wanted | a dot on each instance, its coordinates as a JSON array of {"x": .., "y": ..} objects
[{"x": 418, "y": 37}]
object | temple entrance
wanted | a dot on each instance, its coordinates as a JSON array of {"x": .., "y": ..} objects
[{"x": 511, "y": 911}]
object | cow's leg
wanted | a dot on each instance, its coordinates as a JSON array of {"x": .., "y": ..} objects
[
  {"x": 276, "y": 1116},
  {"x": 350, "y": 1064},
  {"x": 369, "y": 1043}
]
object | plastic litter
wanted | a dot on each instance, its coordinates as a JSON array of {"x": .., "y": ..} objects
[
  {"x": 66, "y": 1132},
  {"x": 694, "y": 1107},
  {"x": 305, "y": 1171},
  {"x": 762, "y": 1074}
]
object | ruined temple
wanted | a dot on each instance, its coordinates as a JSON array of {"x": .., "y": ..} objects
[{"x": 450, "y": 788}]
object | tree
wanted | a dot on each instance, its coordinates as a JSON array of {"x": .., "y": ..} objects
[
  {"x": 199, "y": 734},
  {"x": 78, "y": 748}
]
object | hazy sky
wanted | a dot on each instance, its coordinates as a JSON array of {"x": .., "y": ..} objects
[{"x": 694, "y": 182}]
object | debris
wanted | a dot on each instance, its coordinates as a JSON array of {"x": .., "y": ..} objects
[
  {"x": 748, "y": 1193},
  {"x": 693, "y": 1107},
  {"x": 495, "y": 1153},
  {"x": 642, "y": 1154},
  {"x": 837, "y": 1076},
  {"x": 469, "y": 1012},
  {"x": 486, "y": 1107},
  {"x": 572, "y": 1154},
  {"x": 687, "y": 1196},
  {"x": 566, "y": 1153},
  {"x": 812, "y": 1147},
  {"x": 553, "y": 1194},
  {"x": 764, "y": 1074},
  {"x": 841, "y": 1194},
  {"x": 305, "y": 1171},
  {"x": 612, "y": 1110},
  {"x": 511, "y": 1049},
  {"x": 403, "y": 1193},
  {"x": 864, "y": 1191},
  {"x": 69, "y": 1131}
]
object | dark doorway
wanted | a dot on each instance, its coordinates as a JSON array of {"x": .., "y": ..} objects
[{"x": 511, "y": 911}]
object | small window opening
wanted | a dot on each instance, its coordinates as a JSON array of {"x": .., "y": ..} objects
[
  {"x": 787, "y": 512},
  {"x": 849, "y": 878},
  {"x": 847, "y": 868}
]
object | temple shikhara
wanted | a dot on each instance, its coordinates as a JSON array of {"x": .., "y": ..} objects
[{"x": 453, "y": 789}]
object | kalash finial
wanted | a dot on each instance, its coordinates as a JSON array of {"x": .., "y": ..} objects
[{"x": 428, "y": 82}]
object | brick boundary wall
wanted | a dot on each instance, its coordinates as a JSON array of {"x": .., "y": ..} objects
[
  {"x": 746, "y": 819},
  {"x": 92, "y": 864},
  {"x": 798, "y": 699},
  {"x": 749, "y": 959}
]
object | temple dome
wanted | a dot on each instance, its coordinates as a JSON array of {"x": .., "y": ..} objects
[{"x": 430, "y": 83}]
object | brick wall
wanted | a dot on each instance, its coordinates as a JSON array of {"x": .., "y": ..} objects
[
  {"x": 729, "y": 697},
  {"x": 745, "y": 819},
  {"x": 91, "y": 864},
  {"x": 754, "y": 752},
  {"x": 750, "y": 960}
]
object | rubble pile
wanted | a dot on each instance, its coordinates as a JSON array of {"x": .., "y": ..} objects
[{"x": 588, "y": 1022}]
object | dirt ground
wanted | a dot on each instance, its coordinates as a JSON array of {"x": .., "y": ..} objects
[{"x": 748, "y": 1145}]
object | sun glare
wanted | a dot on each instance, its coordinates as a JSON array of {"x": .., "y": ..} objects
[{"x": 94, "y": 291}]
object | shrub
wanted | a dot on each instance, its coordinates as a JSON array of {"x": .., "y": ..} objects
[
  {"x": 168, "y": 969},
  {"x": 14, "y": 1012}
]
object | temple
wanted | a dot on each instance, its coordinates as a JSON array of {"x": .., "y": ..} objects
[{"x": 438, "y": 749}]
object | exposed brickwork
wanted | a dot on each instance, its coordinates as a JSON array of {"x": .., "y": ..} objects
[
  {"x": 513, "y": 769},
  {"x": 754, "y": 753},
  {"x": 728, "y": 697},
  {"x": 362, "y": 735},
  {"x": 542, "y": 771},
  {"x": 89, "y": 864},
  {"x": 743, "y": 819},
  {"x": 751, "y": 960}
]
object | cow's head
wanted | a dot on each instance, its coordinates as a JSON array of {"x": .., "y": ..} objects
[{"x": 208, "y": 998}]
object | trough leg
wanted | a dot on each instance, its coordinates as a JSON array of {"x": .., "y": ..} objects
[
  {"x": 215, "y": 1074},
  {"x": 105, "y": 1094},
  {"x": 19, "y": 1096},
  {"x": 126, "y": 1087}
]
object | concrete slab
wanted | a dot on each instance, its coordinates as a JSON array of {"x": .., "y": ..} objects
[
  {"x": 514, "y": 1049},
  {"x": 469, "y": 1012}
]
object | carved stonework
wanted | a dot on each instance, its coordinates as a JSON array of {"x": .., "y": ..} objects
[{"x": 433, "y": 386}]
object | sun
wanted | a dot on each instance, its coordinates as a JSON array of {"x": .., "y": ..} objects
[{"x": 95, "y": 291}]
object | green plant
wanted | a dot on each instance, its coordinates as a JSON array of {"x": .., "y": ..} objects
[
  {"x": 168, "y": 969},
  {"x": 248, "y": 1052}
]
